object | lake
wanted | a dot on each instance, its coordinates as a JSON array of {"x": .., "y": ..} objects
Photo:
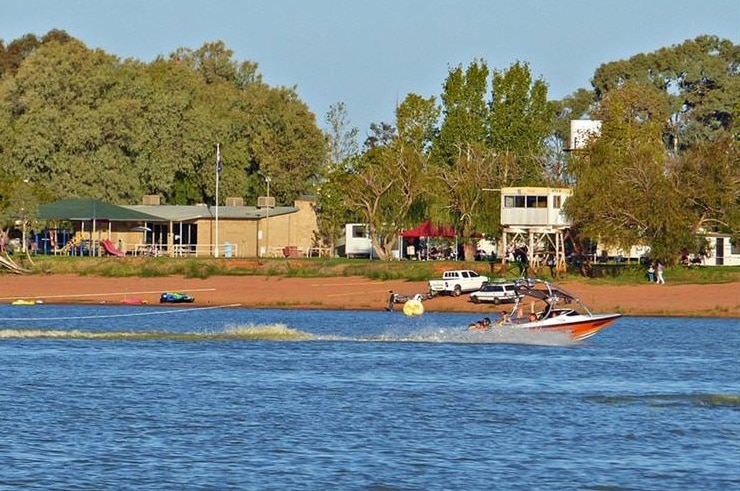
[{"x": 117, "y": 397}]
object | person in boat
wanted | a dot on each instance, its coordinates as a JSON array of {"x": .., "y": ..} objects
[
  {"x": 504, "y": 319},
  {"x": 532, "y": 317}
]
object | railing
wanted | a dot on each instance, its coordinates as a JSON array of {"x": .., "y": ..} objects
[
  {"x": 185, "y": 250},
  {"x": 225, "y": 250}
]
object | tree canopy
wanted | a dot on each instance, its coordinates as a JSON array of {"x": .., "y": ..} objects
[
  {"x": 80, "y": 122},
  {"x": 87, "y": 124}
]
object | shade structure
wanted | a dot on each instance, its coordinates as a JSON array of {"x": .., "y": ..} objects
[
  {"x": 91, "y": 209},
  {"x": 428, "y": 229}
]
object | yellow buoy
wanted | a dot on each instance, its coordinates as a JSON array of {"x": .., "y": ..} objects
[{"x": 413, "y": 307}]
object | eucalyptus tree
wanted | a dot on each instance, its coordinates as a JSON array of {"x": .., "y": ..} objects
[
  {"x": 577, "y": 105},
  {"x": 690, "y": 96},
  {"x": 466, "y": 184},
  {"x": 387, "y": 186},
  {"x": 707, "y": 177},
  {"x": 63, "y": 122},
  {"x": 19, "y": 200},
  {"x": 699, "y": 79},
  {"x": 340, "y": 134},
  {"x": 14, "y": 53},
  {"x": 282, "y": 141},
  {"x": 342, "y": 152},
  {"x": 623, "y": 194}
]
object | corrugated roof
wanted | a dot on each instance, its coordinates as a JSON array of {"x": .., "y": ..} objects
[
  {"x": 88, "y": 209},
  {"x": 182, "y": 213}
]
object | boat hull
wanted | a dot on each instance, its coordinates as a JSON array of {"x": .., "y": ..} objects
[{"x": 579, "y": 327}]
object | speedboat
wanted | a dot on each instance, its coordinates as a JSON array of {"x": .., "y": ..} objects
[{"x": 544, "y": 306}]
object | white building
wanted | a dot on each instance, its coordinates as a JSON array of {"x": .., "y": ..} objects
[
  {"x": 355, "y": 242},
  {"x": 532, "y": 218},
  {"x": 721, "y": 251}
]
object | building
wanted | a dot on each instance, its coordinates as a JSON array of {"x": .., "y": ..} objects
[
  {"x": 355, "y": 241},
  {"x": 234, "y": 230},
  {"x": 721, "y": 251},
  {"x": 533, "y": 224}
]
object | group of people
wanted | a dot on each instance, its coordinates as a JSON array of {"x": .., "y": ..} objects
[
  {"x": 484, "y": 323},
  {"x": 655, "y": 273}
]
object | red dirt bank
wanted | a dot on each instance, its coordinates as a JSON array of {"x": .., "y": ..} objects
[{"x": 358, "y": 293}]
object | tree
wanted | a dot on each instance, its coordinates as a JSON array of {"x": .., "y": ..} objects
[
  {"x": 698, "y": 80},
  {"x": 484, "y": 145},
  {"x": 387, "y": 186},
  {"x": 282, "y": 141},
  {"x": 13, "y": 55},
  {"x": 331, "y": 212},
  {"x": 465, "y": 112},
  {"x": 707, "y": 177},
  {"x": 474, "y": 164},
  {"x": 639, "y": 205},
  {"x": 575, "y": 106},
  {"x": 341, "y": 137},
  {"x": 521, "y": 120},
  {"x": 87, "y": 124}
]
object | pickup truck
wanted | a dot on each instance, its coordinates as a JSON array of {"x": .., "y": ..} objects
[{"x": 456, "y": 282}]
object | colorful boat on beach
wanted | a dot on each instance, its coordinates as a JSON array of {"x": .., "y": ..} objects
[
  {"x": 544, "y": 306},
  {"x": 176, "y": 297}
]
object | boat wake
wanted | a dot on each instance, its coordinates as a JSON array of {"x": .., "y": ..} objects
[
  {"x": 272, "y": 332},
  {"x": 494, "y": 336},
  {"x": 282, "y": 332}
]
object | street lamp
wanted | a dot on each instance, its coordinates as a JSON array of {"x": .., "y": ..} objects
[{"x": 267, "y": 224}]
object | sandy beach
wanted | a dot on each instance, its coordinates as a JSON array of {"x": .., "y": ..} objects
[{"x": 357, "y": 293}]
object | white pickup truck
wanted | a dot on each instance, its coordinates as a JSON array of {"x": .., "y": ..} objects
[{"x": 456, "y": 282}]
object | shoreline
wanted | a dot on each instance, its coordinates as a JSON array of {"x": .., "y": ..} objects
[{"x": 357, "y": 293}]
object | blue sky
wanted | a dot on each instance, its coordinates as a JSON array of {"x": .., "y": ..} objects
[{"x": 370, "y": 54}]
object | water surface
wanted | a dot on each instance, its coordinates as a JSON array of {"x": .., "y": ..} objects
[{"x": 111, "y": 397}]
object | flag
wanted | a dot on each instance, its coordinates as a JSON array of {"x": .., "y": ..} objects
[{"x": 218, "y": 159}]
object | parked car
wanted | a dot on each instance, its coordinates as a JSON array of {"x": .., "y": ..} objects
[
  {"x": 457, "y": 281},
  {"x": 497, "y": 292}
]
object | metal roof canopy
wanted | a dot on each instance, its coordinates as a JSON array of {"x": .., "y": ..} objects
[{"x": 92, "y": 209}]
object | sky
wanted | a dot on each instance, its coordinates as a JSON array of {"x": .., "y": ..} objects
[{"x": 371, "y": 54}]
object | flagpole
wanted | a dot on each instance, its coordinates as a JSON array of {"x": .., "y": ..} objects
[{"x": 218, "y": 175}]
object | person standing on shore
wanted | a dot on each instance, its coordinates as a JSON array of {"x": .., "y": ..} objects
[
  {"x": 659, "y": 272},
  {"x": 651, "y": 273},
  {"x": 551, "y": 265}
]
